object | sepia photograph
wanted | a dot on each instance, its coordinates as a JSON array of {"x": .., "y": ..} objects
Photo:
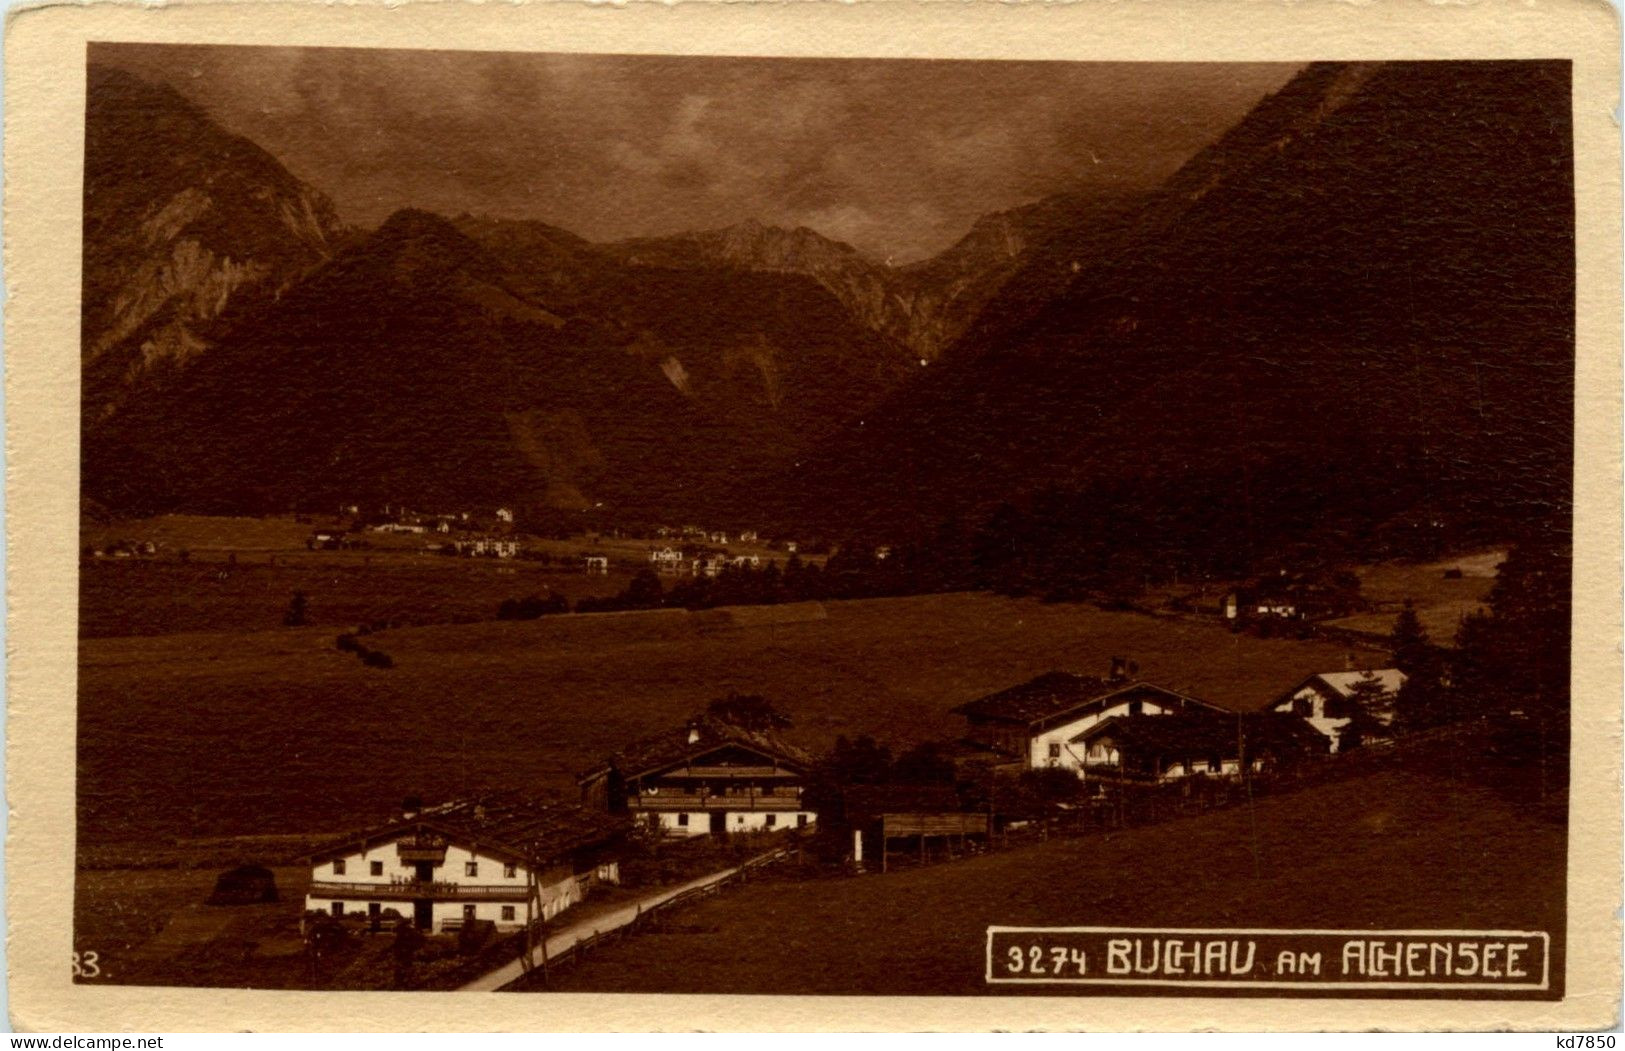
[
  {"x": 701, "y": 517},
  {"x": 610, "y": 523}
]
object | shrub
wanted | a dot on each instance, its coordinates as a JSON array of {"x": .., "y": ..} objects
[
  {"x": 531, "y": 607},
  {"x": 245, "y": 885},
  {"x": 474, "y": 936}
]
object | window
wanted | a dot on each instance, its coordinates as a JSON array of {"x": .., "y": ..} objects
[
  {"x": 801, "y": 820},
  {"x": 682, "y": 820},
  {"x": 507, "y": 912},
  {"x": 468, "y": 912},
  {"x": 471, "y": 868},
  {"x": 772, "y": 819},
  {"x": 1302, "y": 707},
  {"x": 1214, "y": 765},
  {"x": 338, "y": 908},
  {"x": 378, "y": 868},
  {"x": 1136, "y": 707},
  {"x": 338, "y": 867},
  {"x": 510, "y": 870},
  {"x": 374, "y": 909},
  {"x": 1055, "y": 750}
]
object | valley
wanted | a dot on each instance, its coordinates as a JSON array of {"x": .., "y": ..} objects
[{"x": 1237, "y": 458}]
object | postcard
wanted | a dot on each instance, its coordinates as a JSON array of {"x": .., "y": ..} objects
[{"x": 869, "y": 517}]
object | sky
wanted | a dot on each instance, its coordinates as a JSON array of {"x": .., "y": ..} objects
[{"x": 897, "y": 158}]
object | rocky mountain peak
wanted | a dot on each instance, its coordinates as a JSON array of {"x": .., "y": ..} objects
[{"x": 181, "y": 219}]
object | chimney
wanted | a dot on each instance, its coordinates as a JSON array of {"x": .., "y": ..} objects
[
  {"x": 693, "y": 733},
  {"x": 1119, "y": 669},
  {"x": 1348, "y": 661},
  {"x": 411, "y": 806}
]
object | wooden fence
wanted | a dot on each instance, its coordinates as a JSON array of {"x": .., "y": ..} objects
[
  {"x": 1127, "y": 803},
  {"x": 642, "y": 920}
]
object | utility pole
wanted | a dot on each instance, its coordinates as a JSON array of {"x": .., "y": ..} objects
[{"x": 1247, "y": 781}]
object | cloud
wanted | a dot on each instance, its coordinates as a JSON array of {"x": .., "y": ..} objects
[{"x": 896, "y": 157}]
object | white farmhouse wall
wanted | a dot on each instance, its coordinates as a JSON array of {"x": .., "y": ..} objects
[
  {"x": 1317, "y": 717},
  {"x": 358, "y": 868},
  {"x": 699, "y": 821},
  {"x": 554, "y": 897},
  {"x": 1227, "y": 768},
  {"x": 757, "y": 820},
  {"x": 1071, "y": 757},
  {"x": 672, "y": 823},
  {"x": 490, "y": 872}
]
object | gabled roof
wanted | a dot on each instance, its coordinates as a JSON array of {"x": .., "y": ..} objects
[
  {"x": 1342, "y": 683},
  {"x": 674, "y": 747},
  {"x": 1058, "y": 693},
  {"x": 1205, "y": 733},
  {"x": 534, "y": 830}
]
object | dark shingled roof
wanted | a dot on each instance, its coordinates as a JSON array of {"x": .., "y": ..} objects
[
  {"x": 1052, "y": 694},
  {"x": 673, "y": 746},
  {"x": 532, "y": 829},
  {"x": 1203, "y": 733}
]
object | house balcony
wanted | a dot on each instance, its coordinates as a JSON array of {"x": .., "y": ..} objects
[{"x": 417, "y": 890}]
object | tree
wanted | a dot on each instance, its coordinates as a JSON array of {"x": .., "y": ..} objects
[
  {"x": 850, "y": 762},
  {"x": 408, "y": 940},
  {"x": 1422, "y": 702},
  {"x": 858, "y": 762},
  {"x": 996, "y": 549},
  {"x": 1409, "y": 641},
  {"x": 771, "y": 586},
  {"x": 924, "y": 764},
  {"x": 1370, "y": 709},
  {"x": 1517, "y": 657},
  {"x": 1515, "y": 660},
  {"x": 297, "y": 615},
  {"x": 644, "y": 592}
]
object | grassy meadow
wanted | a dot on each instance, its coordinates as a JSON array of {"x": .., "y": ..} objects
[
  {"x": 1440, "y": 601},
  {"x": 278, "y": 732},
  {"x": 241, "y": 573},
  {"x": 127, "y": 597},
  {"x": 210, "y": 735}
]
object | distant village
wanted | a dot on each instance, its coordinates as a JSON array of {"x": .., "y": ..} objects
[
  {"x": 677, "y": 562},
  {"x": 683, "y": 551}
]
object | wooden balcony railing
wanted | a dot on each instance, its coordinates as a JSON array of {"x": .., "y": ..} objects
[
  {"x": 695, "y": 801},
  {"x": 410, "y": 890}
]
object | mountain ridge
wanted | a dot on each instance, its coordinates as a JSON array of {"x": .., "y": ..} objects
[
  {"x": 421, "y": 365},
  {"x": 1332, "y": 303},
  {"x": 181, "y": 219},
  {"x": 1303, "y": 298}
]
